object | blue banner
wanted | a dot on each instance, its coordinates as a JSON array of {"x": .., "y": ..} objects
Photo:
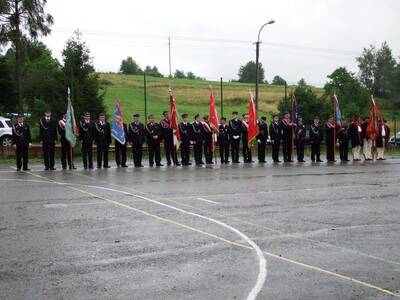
[{"x": 117, "y": 125}]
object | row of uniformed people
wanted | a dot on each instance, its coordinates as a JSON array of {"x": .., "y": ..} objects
[{"x": 199, "y": 133}]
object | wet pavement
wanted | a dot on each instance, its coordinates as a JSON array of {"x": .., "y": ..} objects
[{"x": 327, "y": 231}]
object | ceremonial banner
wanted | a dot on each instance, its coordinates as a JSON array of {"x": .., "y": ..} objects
[
  {"x": 214, "y": 121},
  {"x": 372, "y": 128},
  {"x": 338, "y": 114},
  {"x": 174, "y": 120},
  {"x": 295, "y": 110},
  {"x": 70, "y": 124},
  {"x": 117, "y": 124},
  {"x": 253, "y": 126}
]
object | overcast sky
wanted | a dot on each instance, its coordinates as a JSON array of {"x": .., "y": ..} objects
[{"x": 214, "y": 38}]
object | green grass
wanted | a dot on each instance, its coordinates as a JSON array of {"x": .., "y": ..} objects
[{"x": 192, "y": 96}]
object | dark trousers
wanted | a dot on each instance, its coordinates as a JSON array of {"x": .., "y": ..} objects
[
  {"x": 185, "y": 152},
  {"x": 208, "y": 154},
  {"x": 49, "y": 150},
  {"x": 246, "y": 151},
  {"x": 120, "y": 154},
  {"x": 224, "y": 152},
  {"x": 235, "y": 144},
  {"x": 198, "y": 152},
  {"x": 315, "y": 151},
  {"x": 22, "y": 157},
  {"x": 102, "y": 155},
  {"x": 154, "y": 154},
  {"x": 329, "y": 151},
  {"x": 287, "y": 149},
  {"x": 137, "y": 152},
  {"x": 65, "y": 154},
  {"x": 170, "y": 152},
  {"x": 300, "y": 150},
  {"x": 87, "y": 154},
  {"x": 275, "y": 150},
  {"x": 261, "y": 151},
  {"x": 344, "y": 151}
]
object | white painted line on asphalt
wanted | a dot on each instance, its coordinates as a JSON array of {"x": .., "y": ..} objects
[
  {"x": 262, "y": 263},
  {"x": 206, "y": 200},
  {"x": 64, "y": 205}
]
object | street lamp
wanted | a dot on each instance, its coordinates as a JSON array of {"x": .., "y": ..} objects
[{"x": 257, "y": 55}]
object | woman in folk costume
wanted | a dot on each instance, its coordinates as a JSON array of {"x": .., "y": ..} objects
[
  {"x": 355, "y": 132},
  {"x": 382, "y": 139}
]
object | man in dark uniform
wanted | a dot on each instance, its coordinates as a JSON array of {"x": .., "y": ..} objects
[
  {"x": 48, "y": 138},
  {"x": 120, "y": 150},
  {"x": 65, "y": 145},
  {"x": 235, "y": 133},
  {"x": 86, "y": 135},
  {"x": 287, "y": 127},
  {"x": 262, "y": 138},
  {"x": 330, "y": 136},
  {"x": 316, "y": 137},
  {"x": 223, "y": 141},
  {"x": 153, "y": 136},
  {"x": 208, "y": 136},
  {"x": 103, "y": 141},
  {"x": 168, "y": 137},
  {"x": 247, "y": 157},
  {"x": 184, "y": 130},
  {"x": 275, "y": 133},
  {"x": 300, "y": 139},
  {"x": 356, "y": 137},
  {"x": 197, "y": 140},
  {"x": 343, "y": 137},
  {"x": 21, "y": 141},
  {"x": 137, "y": 137}
]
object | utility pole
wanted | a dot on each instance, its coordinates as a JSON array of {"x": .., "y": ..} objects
[
  {"x": 257, "y": 57},
  {"x": 222, "y": 100}
]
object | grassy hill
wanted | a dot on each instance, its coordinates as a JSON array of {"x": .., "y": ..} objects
[{"x": 191, "y": 95}]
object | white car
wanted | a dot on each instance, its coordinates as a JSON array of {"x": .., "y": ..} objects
[{"x": 5, "y": 132}]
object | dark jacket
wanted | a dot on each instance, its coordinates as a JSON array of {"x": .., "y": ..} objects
[
  {"x": 223, "y": 137},
  {"x": 343, "y": 135},
  {"x": 86, "y": 131},
  {"x": 166, "y": 131},
  {"x": 136, "y": 133},
  {"x": 102, "y": 133},
  {"x": 197, "y": 132},
  {"x": 300, "y": 133},
  {"x": 275, "y": 131},
  {"x": 355, "y": 135},
  {"x": 381, "y": 140},
  {"x": 153, "y": 134},
  {"x": 235, "y": 129},
  {"x": 185, "y": 131},
  {"x": 287, "y": 130},
  {"x": 316, "y": 134},
  {"x": 61, "y": 130},
  {"x": 47, "y": 130},
  {"x": 263, "y": 132},
  {"x": 21, "y": 135},
  {"x": 207, "y": 132}
]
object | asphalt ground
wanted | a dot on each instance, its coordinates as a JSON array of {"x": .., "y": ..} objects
[{"x": 311, "y": 231}]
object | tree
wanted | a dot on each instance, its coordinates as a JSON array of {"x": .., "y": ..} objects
[
  {"x": 18, "y": 17},
  {"x": 87, "y": 93},
  {"x": 353, "y": 97},
  {"x": 7, "y": 87},
  {"x": 130, "y": 67},
  {"x": 377, "y": 70},
  {"x": 309, "y": 104},
  {"x": 191, "y": 75},
  {"x": 278, "y": 80},
  {"x": 153, "y": 71},
  {"x": 247, "y": 73},
  {"x": 179, "y": 74}
]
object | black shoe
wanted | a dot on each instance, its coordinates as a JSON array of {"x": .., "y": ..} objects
[
  {"x": 301, "y": 161},
  {"x": 46, "y": 169},
  {"x": 18, "y": 169},
  {"x": 26, "y": 169},
  {"x": 98, "y": 167},
  {"x": 106, "y": 167},
  {"x": 168, "y": 164},
  {"x": 53, "y": 169},
  {"x": 151, "y": 165},
  {"x": 178, "y": 164},
  {"x": 318, "y": 160},
  {"x": 124, "y": 166},
  {"x": 90, "y": 167},
  {"x": 201, "y": 163},
  {"x": 85, "y": 168},
  {"x": 159, "y": 165},
  {"x": 227, "y": 161},
  {"x": 64, "y": 168}
]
